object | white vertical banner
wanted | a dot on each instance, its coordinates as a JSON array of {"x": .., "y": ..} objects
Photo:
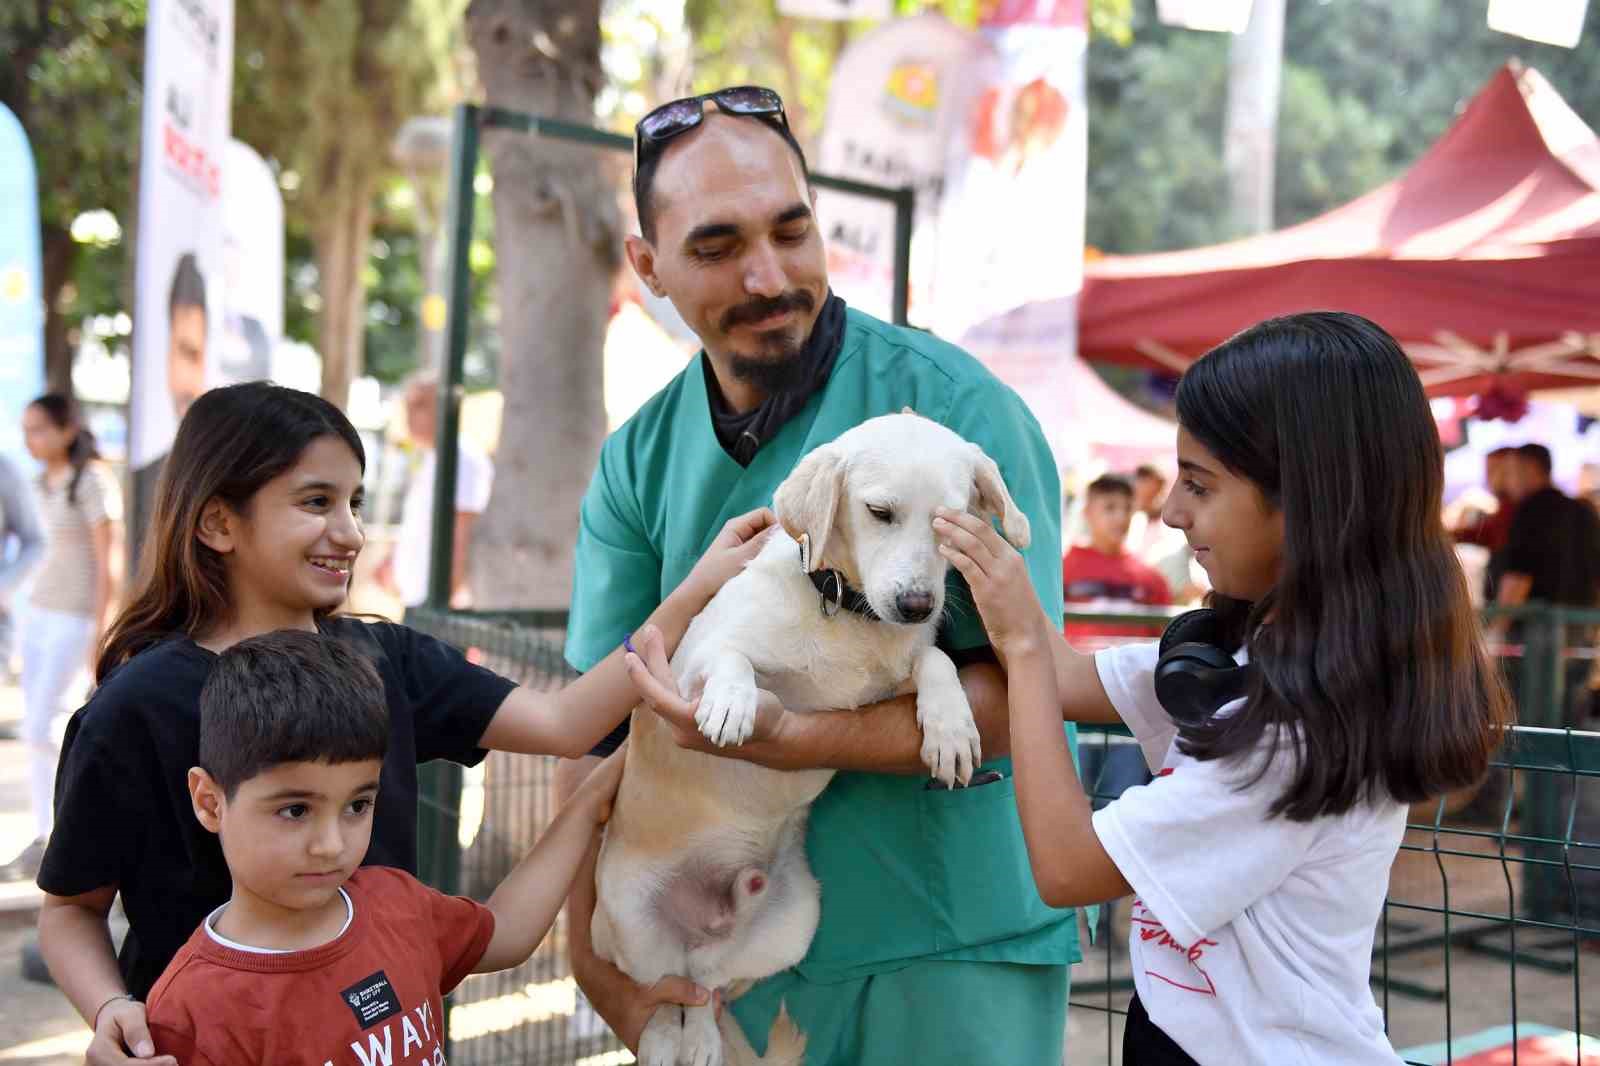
[
  {"x": 1220, "y": 16},
  {"x": 188, "y": 78},
  {"x": 899, "y": 95},
  {"x": 21, "y": 297},
  {"x": 1557, "y": 22},
  {"x": 187, "y": 83},
  {"x": 1011, "y": 228},
  {"x": 252, "y": 268},
  {"x": 836, "y": 9}
]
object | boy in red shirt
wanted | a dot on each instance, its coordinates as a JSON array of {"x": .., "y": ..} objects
[
  {"x": 316, "y": 959},
  {"x": 1103, "y": 573}
]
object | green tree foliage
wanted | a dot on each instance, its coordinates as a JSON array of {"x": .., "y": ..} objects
[
  {"x": 321, "y": 89},
  {"x": 395, "y": 290}
]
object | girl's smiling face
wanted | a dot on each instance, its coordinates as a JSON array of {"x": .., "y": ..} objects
[
  {"x": 1236, "y": 533},
  {"x": 292, "y": 550}
]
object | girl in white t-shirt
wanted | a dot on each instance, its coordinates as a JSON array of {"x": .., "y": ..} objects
[{"x": 1310, "y": 485}]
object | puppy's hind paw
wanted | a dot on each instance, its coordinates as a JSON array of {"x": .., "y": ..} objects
[
  {"x": 662, "y": 1037},
  {"x": 702, "y": 1042},
  {"x": 727, "y": 712}
]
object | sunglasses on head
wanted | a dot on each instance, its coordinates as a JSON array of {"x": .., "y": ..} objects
[{"x": 680, "y": 116}]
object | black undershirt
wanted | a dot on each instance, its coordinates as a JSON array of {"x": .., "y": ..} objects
[{"x": 742, "y": 433}]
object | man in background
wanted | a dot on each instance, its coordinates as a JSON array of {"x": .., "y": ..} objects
[
  {"x": 1552, "y": 556},
  {"x": 1490, "y": 529}
]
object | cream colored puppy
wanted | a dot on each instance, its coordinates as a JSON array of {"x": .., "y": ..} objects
[{"x": 703, "y": 870}]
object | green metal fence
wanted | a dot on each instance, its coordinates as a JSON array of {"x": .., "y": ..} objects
[{"x": 1480, "y": 951}]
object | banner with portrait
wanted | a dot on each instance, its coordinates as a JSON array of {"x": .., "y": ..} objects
[{"x": 178, "y": 270}]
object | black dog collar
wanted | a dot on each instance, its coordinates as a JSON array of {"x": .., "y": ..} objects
[
  {"x": 834, "y": 590},
  {"x": 837, "y": 593}
]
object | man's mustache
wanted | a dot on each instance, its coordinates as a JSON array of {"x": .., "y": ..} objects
[{"x": 767, "y": 306}]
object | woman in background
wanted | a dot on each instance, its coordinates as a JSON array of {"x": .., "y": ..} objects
[{"x": 73, "y": 591}]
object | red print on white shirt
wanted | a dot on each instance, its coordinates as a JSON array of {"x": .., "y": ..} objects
[{"x": 1151, "y": 931}]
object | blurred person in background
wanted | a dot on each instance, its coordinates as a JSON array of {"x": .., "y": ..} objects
[
  {"x": 21, "y": 549},
  {"x": 1157, "y": 544},
  {"x": 1103, "y": 572},
  {"x": 75, "y": 589},
  {"x": 1551, "y": 555},
  {"x": 1490, "y": 528},
  {"x": 404, "y": 572}
]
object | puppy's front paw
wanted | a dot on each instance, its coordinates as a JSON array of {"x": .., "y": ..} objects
[
  {"x": 727, "y": 711},
  {"x": 661, "y": 1038},
  {"x": 702, "y": 1042},
  {"x": 950, "y": 745}
]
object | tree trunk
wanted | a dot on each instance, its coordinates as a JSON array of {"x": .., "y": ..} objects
[
  {"x": 341, "y": 235},
  {"x": 58, "y": 254},
  {"x": 557, "y": 247},
  {"x": 1250, "y": 138}
]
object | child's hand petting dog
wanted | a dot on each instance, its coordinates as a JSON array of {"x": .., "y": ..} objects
[
  {"x": 998, "y": 578},
  {"x": 652, "y": 677}
]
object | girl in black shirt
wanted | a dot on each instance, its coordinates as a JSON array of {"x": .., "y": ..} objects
[{"x": 257, "y": 527}]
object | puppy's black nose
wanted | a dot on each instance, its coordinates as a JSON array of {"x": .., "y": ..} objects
[{"x": 914, "y": 606}]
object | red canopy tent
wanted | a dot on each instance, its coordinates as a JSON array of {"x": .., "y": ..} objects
[{"x": 1483, "y": 260}]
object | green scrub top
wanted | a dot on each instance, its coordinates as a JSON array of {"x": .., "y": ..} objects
[{"x": 907, "y": 873}]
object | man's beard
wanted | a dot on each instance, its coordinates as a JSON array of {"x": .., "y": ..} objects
[{"x": 779, "y": 364}]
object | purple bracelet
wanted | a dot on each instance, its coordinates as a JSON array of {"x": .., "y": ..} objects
[{"x": 627, "y": 643}]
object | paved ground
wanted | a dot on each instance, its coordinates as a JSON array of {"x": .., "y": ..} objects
[{"x": 39, "y": 1028}]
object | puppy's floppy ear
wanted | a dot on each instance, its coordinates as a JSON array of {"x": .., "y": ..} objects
[
  {"x": 991, "y": 499},
  {"x": 808, "y": 499}
]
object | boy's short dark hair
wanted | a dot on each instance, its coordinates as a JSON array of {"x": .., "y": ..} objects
[
  {"x": 1538, "y": 455},
  {"x": 1108, "y": 484},
  {"x": 289, "y": 696},
  {"x": 1145, "y": 470}
]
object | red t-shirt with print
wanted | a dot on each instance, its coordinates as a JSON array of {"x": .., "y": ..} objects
[
  {"x": 373, "y": 994},
  {"x": 1090, "y": 576}
]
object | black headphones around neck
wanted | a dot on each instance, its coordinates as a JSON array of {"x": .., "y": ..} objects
[{"x": 1194, "y": 676}]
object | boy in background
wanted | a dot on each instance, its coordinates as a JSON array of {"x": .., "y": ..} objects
[{"x": 1103, "y": 572}]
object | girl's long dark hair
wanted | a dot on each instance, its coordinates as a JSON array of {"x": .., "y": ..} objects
[
  {"x": 1368, "y": 647},
  {"x": 232, "y": 441},
  {"x": 82, "y": 449}
]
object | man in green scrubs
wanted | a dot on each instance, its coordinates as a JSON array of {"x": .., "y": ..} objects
[{"x": 933, "y": 946}]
